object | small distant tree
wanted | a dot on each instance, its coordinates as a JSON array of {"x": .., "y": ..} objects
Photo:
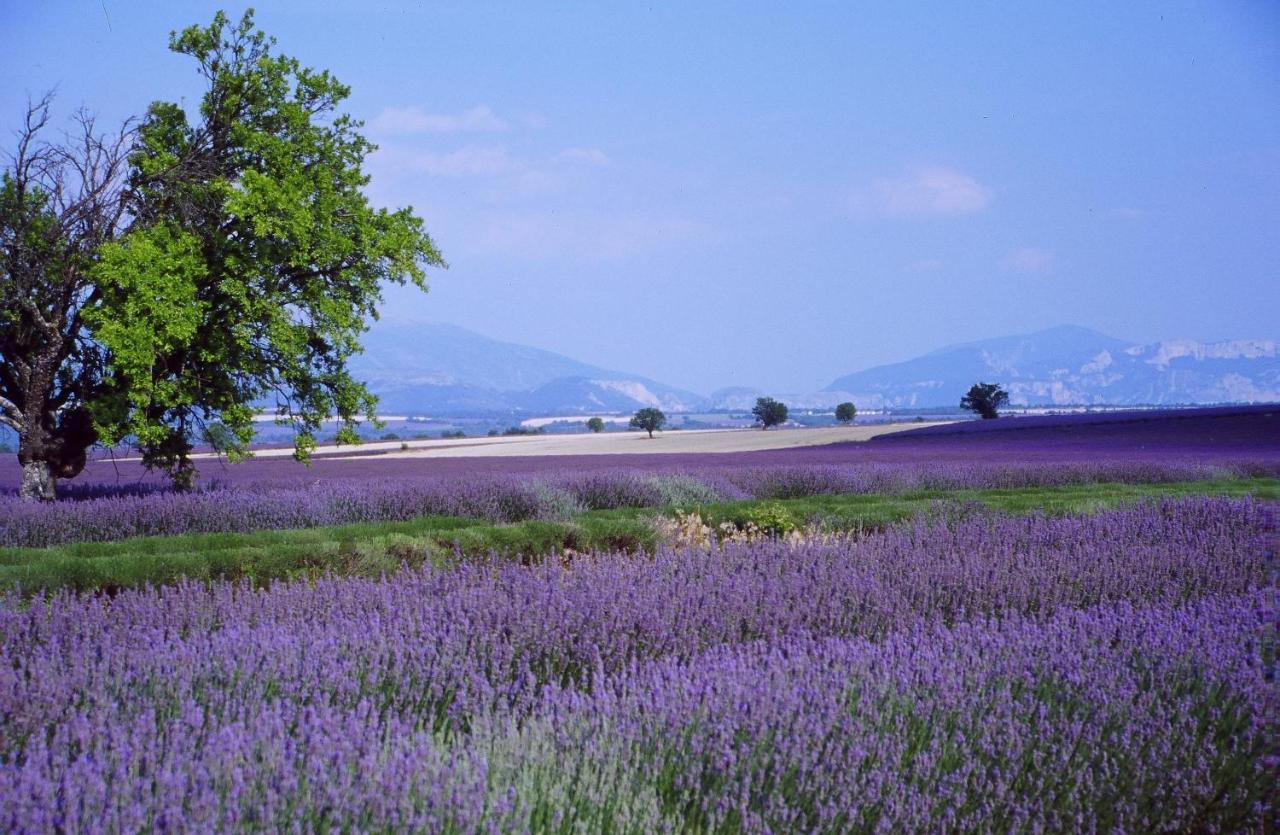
[
  {"x": 769, "y": 412},
  {"x": 648, "y": 419},
  {"x": 595, "y": 424},
  {"x": 985, "y": 399},
  {"x": 846, "y": 412}
]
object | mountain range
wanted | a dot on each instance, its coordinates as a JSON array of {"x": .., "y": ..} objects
[
  {"x": 443, "y": 369},
  {"x": 1071, "y": 365}
]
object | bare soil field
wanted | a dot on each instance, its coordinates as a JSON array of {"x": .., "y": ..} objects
[{"x": 610, "y": 443}]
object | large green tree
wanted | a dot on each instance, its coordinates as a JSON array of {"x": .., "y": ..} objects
[
  {"x": 60, "y": 203},
  {"x": 247, "y": 265}
]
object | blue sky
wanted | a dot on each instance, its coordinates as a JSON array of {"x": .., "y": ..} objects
[{"x": 775, "y": 195}]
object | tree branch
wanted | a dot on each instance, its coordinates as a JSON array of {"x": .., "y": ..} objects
[{"x": 11, "y": 415}]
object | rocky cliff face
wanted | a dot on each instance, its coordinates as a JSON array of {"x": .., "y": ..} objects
[{"x": 443, "y": 369}]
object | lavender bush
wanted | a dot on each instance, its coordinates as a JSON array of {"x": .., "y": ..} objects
[
  {"x": 1041, "y": 673},
  {"x": 1111, "y": 719},
  {"x": 509, "y": 498},
  {"x": 23, "y": 524}
]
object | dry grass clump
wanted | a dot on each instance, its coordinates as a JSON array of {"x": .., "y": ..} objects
[{"x": 689, "y": 529}]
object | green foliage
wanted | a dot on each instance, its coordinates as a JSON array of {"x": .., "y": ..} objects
[
  {"x": 371, "y": 549},
  {"x": 255, "y": 260},
  {"x": 769, "y": 517},
  {"x": 846, "y": 412},
  {"x": 595, "y": 424},
  {"x": 769, "y": 412},
  {"x": 367, "y": 550},
  {"x": 649, "y": 419},
  {"x": 219, "y": 437},
  {"x": 985, "y": 399}
]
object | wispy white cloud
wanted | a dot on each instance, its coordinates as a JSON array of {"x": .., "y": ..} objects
[
  {"x": 528, "y": 176},
  {"x": 472, "y": 161},
  {"x": 415, "y": 119},
  {"x": 921, "y": 192},
  {"x": 1028, "y": 259},
  {"x": 588, "y": 237}
]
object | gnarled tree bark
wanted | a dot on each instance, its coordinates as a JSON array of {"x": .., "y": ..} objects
[
  {"x": 58, "y": 205},
  {"x": 50, "y": 453}
]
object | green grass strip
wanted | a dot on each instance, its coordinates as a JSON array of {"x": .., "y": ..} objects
[{"x": 373, "y": 549}]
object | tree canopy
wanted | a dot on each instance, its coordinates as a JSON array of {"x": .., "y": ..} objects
[
  {"x": 649, "y": 419},
  {"x": 595, "y": 424},
  {"x": 985, "y": 399},
  {"x": 239, "y": 263},
  {"x": 846, "y": 412},
  {"x": 769, "y": 412}
]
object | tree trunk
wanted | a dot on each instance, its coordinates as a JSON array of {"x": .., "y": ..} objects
[
  {"x": 38, "y": 482},
  {"x": 52, "y": 451}
]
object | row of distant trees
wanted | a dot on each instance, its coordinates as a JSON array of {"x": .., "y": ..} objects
[
  {"x": 768, "y": 412},
  {"x": 984, "y": 399}
]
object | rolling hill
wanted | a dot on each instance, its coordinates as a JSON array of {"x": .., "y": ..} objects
[
  {"x": 1071, "y": 365},
  {"x": 445, "y": 369}
]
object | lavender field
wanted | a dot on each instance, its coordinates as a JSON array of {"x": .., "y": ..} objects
[
  {"x": 753, "y": 466},
  {"x": 117, "y": 501},
  {"x": 964, "y": 670},
  {"x": 1037, "y": 673}
]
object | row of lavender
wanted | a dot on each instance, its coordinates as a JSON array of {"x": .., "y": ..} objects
[
  {"x": 1060, "y": 674},
  {"x": 514, "y": 498}
]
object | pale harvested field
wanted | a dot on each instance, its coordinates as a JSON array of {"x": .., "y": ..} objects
[
  {"x": 621, "y": 443},
  {"x": 605, "y": 443}
]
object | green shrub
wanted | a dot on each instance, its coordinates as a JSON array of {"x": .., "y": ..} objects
[{"x": 771, "y": 518}]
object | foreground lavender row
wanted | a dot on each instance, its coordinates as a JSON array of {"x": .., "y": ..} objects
[
  {"x": 939, "y": 674},
  {"x": 513, "y": 498}
]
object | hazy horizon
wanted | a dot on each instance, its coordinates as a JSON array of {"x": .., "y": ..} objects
[
  {"x": 787, "y": 197},
  {"x": 784, "y": 388}
]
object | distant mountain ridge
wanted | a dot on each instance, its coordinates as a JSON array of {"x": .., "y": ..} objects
[
  {"x": 432, "y": 368},
  {"x": 439, "y": 369},
  {"x": 1070, "y": 365}
]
